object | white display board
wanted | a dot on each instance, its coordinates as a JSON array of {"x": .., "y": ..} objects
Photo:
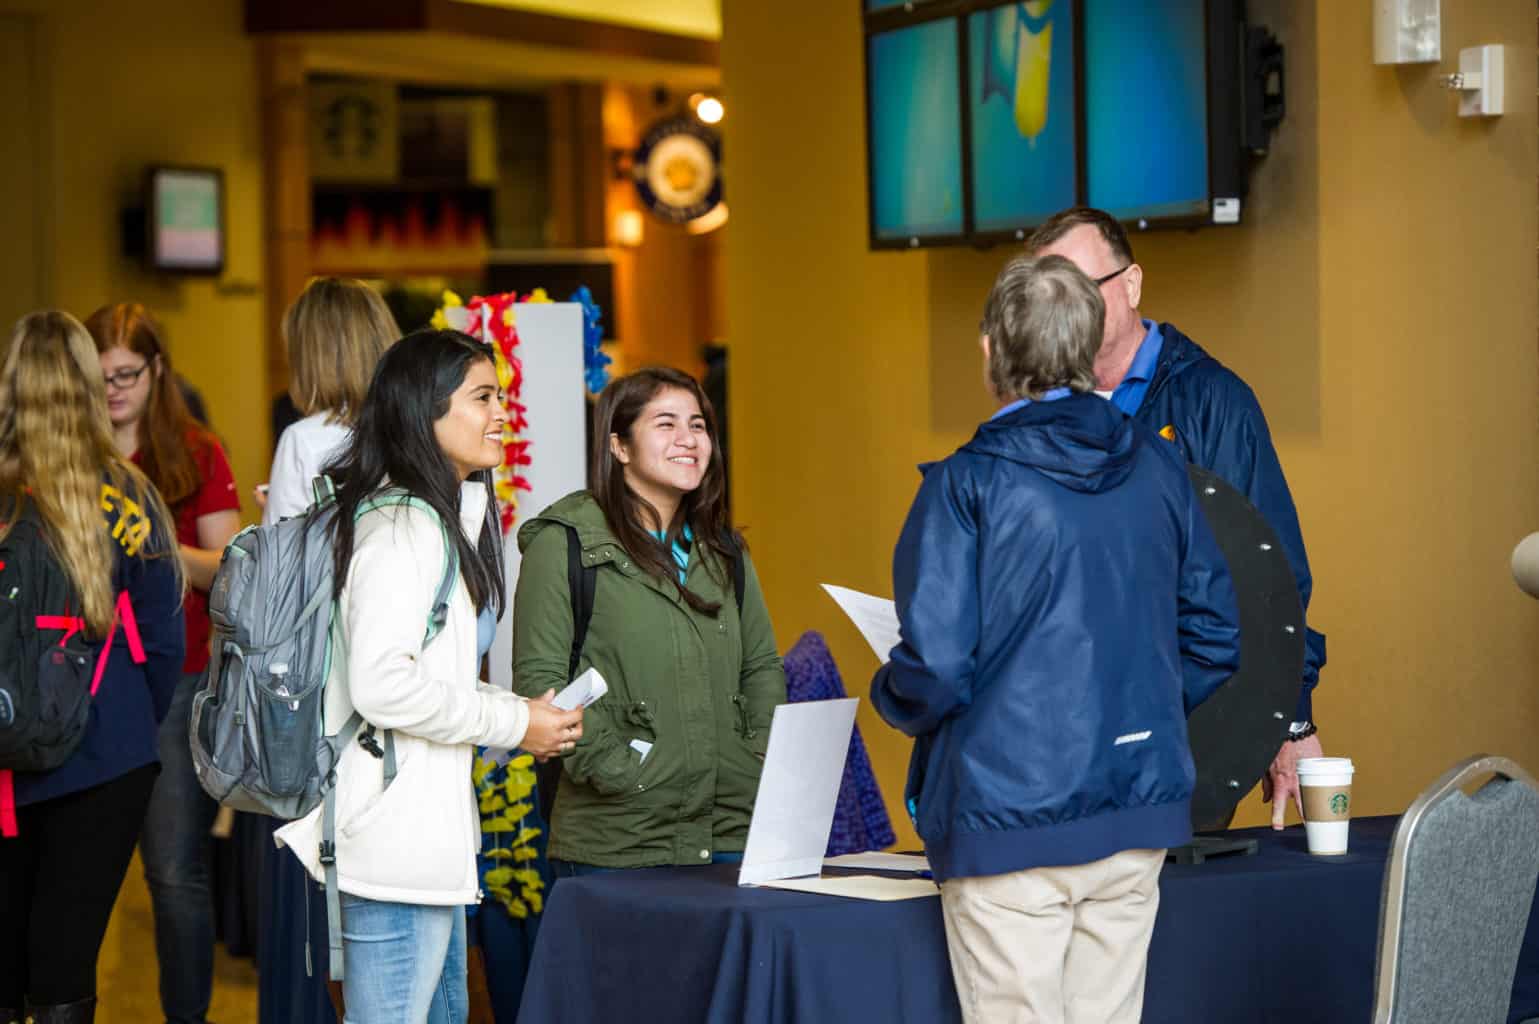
[
  {"x": 550, "y": 348},
  {"x": 793, "y": 812}
]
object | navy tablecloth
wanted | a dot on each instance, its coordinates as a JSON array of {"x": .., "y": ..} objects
[{"x": 1278, "y": 937}]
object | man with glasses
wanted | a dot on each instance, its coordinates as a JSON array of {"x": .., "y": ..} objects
[{"x": 1157, "y": 375}]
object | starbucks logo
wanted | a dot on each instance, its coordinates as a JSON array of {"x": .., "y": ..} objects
[{"x": 1339, "y": 803}]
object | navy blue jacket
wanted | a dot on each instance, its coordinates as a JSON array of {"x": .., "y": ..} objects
[
  {"x": 1063, "y": 606},
  {"x": 1218, "y": 424},
  {"x": 133, "y": 698}
]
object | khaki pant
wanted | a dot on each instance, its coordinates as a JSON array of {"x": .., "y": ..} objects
[{"x": 1062, "y": 945}]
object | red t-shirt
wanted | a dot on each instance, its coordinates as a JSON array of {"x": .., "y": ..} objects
[{"x": 216, "y": 493}]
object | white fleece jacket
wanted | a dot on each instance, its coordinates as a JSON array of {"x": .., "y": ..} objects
[{"x": 417, "y": 841}]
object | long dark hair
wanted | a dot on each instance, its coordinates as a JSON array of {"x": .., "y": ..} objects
[
  {"x": 704, "y": 509},
  {"x": 411, "y": 389}
]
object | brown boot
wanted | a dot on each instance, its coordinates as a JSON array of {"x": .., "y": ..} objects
[{"x": 82, "y": 1011}]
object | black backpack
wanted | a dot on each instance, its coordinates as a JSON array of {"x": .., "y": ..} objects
[
  {"x": 581, "y": 581},
  {"x": 46, "y": 677}
]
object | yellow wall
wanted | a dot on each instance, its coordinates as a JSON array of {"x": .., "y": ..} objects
[
  {"x": 159, "y": 81},
  {"x": 1380, "y": 298}
]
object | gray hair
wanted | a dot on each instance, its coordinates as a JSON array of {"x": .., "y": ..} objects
[{"x": 1044, "y": 320}]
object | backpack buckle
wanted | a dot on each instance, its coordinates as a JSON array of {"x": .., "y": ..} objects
[
  {"x": 328, "y": 853},
  {"x": 367, "y": 741}
]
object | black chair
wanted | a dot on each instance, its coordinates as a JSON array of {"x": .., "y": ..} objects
[{"x": 1457, "y": 893}]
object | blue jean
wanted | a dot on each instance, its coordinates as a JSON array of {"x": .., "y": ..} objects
[
  {"x": 405, "y": 963},
  {"x": 177, "y": 853}
]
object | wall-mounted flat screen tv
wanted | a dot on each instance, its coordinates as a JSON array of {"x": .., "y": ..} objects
[
  {"x": 1023, "y": 116},
  {"x": 914, "y": 137},
  {"x": 986, "y": 117},
  {"x": 185, "y": 219},
  {"x": 1150, "y": 131}
]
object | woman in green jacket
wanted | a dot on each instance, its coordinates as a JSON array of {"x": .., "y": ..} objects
[{"x": 668, "y": 764}]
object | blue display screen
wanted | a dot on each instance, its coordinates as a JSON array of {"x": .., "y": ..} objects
[
  {"x": 1146, "y": 105},
  {"x": 1021, "y": 96},
  {"x": 916, "y": 131}
]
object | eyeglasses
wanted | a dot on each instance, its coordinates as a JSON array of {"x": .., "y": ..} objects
[
  {"x": 1107, "y": 277},
  {"x": 123, "y": 379}
]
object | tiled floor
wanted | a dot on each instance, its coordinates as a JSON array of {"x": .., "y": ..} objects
[{"x": 127, "y": 977}]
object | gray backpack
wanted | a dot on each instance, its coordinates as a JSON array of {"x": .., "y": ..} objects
[{"x": 258, "y": 737}]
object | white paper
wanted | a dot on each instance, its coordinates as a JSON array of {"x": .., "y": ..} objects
[
  {"x": 860, "y": 887},
  {"x": 914, "y": 863},
  {"x": 582, "y": 691},
  {"x": 641, "y": 747},
  {"x": 875, "y": 617},
  {"x": 798, "y": 788}
]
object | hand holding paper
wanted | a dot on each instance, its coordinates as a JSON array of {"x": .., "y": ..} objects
[{"x": 875, "y": 617}]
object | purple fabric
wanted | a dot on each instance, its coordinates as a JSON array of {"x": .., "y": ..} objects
[{"x": 860, "y": 817}]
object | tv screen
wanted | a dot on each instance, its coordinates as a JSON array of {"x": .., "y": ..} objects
[
  {"x": 1146, "y": 108},
  {"x": 914, "y": 136},
  {"x": 1022, "y": 107},
  {"x": 186, "y": 219}
]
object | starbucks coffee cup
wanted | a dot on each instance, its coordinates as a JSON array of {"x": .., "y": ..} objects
[{"x": 1326, "y": 786}]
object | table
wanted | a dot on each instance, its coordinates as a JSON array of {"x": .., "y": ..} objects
[{"x": 1241, "y": 939}]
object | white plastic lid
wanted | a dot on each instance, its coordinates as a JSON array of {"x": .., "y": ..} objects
[{"x": 1325, "y": 766}]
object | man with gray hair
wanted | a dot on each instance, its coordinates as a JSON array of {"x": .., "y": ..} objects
[{"x": 1063, "y": 607}]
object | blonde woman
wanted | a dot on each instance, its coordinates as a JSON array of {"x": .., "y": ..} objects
[
  {"x": 109, "y": 531},
  {"x": 336, "y": 331}
]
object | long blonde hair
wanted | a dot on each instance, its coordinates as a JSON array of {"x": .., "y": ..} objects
[
  {"x": 56, "y": 452},
  {"x": 336, "y": 331}
]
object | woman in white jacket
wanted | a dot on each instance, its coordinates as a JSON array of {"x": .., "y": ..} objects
[{"x": 430, "y": 429}]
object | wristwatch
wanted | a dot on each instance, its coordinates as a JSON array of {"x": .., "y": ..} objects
[{"x": 1301, "y": 730}]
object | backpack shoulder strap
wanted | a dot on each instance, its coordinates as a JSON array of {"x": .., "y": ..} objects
[
  {"x": 739, "y": 569},
  {"x": 581, "y": 582},
  {"x": 440, "y": 611},
  {"x": 739, "y": 577}
]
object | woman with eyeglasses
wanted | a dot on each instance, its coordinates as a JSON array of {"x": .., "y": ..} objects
[{"x": 186, "y": 463}]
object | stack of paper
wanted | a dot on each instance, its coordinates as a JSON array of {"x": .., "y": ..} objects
[
  {"x": 910, "y": 863},
  {"x": 860, "y": 887}
]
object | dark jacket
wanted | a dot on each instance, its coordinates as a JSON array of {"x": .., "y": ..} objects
[
  {"x": 700, "y": 689},
  {"x": 1218, "y": 424},
  {"x": 133, "y": 698},
  {"x": 1063, "y": 606}
]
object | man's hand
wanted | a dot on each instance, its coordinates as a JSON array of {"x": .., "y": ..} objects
[{"x": 1281, "y": 780}]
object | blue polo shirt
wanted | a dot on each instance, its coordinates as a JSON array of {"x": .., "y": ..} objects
[
  {"x": 1129, "y": 395},
  {"x": 1021, "y": 403}
]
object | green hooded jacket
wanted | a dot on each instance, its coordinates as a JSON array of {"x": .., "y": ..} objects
[{"x": 701, "y": 690}]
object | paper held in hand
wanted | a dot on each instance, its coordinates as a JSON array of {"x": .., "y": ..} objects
[
  {"x": 875, "y": 617},
  {"x": 582, "y": 691}
]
